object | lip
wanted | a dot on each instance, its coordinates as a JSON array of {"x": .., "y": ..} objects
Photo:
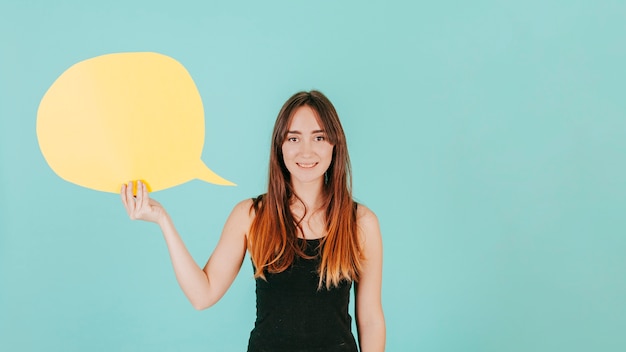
[{"x": 307, "y": 165}]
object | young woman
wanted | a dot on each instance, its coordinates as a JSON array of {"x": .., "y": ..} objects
[{"x": 307, "y": 238}]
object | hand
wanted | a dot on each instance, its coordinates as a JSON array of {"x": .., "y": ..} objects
[{"x": 141, "y": 206}]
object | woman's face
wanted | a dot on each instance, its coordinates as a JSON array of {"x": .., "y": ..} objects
[{"x": 307, "y": 154}]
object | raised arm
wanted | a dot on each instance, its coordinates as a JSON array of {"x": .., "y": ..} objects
[
  {"x": 369, "y": 315},
  {"x": 203, "y": 287}
]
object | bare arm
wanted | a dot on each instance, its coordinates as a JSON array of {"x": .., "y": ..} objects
[
  {"x": 370, "y": 319},
  {"x": 205, "y": 287}
]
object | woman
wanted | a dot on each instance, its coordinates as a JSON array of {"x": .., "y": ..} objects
[{"x": 307, "y": 238}]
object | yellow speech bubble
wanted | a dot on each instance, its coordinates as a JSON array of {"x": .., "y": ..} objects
[{"x": 121, "y": 117}]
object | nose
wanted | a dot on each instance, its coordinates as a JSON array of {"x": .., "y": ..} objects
[{"x": 306, "y": 148}]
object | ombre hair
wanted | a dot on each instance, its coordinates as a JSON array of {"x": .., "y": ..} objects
[{"x": 272, "y": 239}]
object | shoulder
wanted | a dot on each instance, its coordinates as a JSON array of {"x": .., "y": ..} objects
[
  {"x": 244, "y": 208},
  {"x": 366, "y": 218},
  {"x": 242, "y": 215},
  {"x": 367, "y": 224}
]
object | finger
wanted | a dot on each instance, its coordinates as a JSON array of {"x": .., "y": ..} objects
[
  {"x": 129, "y": 199},
  {"x": 140, "y": 195},
  {"x": 146, "y": 194},
  {"x": 123, "y": 196}
]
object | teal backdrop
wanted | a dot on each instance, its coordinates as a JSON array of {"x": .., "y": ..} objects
[{"x": 488, "y": 136}]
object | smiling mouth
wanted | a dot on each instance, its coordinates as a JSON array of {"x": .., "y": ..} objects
[{"x": 306, "y": 165}]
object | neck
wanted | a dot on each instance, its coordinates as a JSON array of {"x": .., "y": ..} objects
[{"x": 310, "y": 194}]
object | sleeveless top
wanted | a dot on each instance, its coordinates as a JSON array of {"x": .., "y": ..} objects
[{"x": 293, "y": 315}]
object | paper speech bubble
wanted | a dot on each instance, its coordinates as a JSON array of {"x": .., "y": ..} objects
[{"x": 121, "y": 117}]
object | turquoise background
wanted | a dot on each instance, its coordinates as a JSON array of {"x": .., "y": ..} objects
[{"x": 488, "y": 136}]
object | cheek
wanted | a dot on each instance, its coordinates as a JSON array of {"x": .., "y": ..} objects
[
  {"x": 328, "y": 152},
  {"x": 287, "y": 152}
]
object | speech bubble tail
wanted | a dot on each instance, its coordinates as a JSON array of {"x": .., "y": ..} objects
[{"x": 205, "y": 174}]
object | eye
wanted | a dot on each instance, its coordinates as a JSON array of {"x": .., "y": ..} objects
[
  {"x": 320, "y": 138},
  {"x": 292, "y": 139}
]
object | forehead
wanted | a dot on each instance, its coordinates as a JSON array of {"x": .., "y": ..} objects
[{"x": 304, "y": 119}]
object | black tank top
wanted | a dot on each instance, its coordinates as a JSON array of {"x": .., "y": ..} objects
[{"x": 293, "y": 315}]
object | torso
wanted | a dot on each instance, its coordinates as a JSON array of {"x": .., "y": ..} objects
[{"x": 293, "y": 315}]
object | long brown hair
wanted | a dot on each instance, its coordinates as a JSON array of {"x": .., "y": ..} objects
[{"x": 272, "y": 239}]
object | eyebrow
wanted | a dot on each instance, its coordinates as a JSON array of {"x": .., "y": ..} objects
[{"x": 298, "y": 132}]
